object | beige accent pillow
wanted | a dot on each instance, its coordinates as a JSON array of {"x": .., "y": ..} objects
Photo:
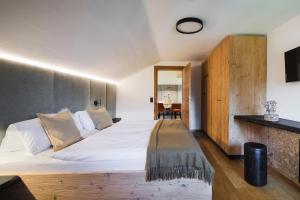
[
  {"x": 60, "y": 128},
  {"x": 101, "y": 118}
]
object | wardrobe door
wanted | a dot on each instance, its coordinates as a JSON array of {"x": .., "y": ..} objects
[
  {"x": 248, "y": 61},
  {"x": 223, "y": 94},
  {"x": 204, "y": 98},
  {"x": 215, "y": 84},
  {"x": 219, "y": 99},
  {"x": 219, "y": 96},
  {"x": 209, "y": 96}
]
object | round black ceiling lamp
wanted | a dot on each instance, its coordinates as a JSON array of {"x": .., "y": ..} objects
[{"x": 189, "y": 25}]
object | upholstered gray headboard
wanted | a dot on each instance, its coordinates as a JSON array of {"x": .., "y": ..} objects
[{"x": 27, "y": 90}]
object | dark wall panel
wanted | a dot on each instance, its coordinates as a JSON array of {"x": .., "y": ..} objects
[
  {"x": 111, "y": 99},
  {"x": 71, "y": 92},
  {"x": 24, "y": 91},
  {"x": 98, "y": 92}
]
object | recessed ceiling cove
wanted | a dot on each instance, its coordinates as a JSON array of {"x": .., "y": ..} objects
[
  {"x": 115, "y": 38},
  {"x": 110, "y": 39}
]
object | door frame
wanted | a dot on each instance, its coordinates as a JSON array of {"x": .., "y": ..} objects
[{"x": 165, "y": 68}]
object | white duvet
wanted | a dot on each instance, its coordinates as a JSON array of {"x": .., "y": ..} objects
[{"x": 122, "y": 141}]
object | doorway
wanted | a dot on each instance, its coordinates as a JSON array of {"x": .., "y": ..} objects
[{"x": 171, "y": 92}]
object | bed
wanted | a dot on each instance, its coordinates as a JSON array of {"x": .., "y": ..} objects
[{"x": 110, "y": 164}]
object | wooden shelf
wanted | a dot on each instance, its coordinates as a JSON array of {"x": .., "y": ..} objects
[{"x": 284, "y": 124}]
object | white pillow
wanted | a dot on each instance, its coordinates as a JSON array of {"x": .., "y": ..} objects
[
  {"x": 32, "y": 135},
  {"x": 77, "y": 122},
  {"x": 12, "y": 140},
  {"x": 86, "y": 133},
  {"x": 85, "y": 120}
]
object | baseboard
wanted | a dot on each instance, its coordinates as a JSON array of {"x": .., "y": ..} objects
[
  {"x": 235, "y": 157},
  {"x": 231, "y": 157},
  {"x": 195, "y": 130}
]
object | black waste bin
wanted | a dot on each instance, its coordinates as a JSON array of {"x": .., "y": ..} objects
[{"x": 255, "y": 163}]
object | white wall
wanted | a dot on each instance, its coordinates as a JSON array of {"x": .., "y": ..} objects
[
  {"x": 195, "y": 102},
  {"x": 133, "y": 95},
  {"x": 169, "y": 93},
  {"x": 169, "y": 78},
  {"x": 283, "y": 38},
  {"x": 166, "y": 79}
]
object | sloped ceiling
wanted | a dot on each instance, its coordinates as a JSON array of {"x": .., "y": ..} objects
[
  {"x": 114, "y": 38},
  {"x": 110, "y": 38}
]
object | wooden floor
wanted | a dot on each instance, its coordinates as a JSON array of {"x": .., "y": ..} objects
[{"x": 229, "y": 182}]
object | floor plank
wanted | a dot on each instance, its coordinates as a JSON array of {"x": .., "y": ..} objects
[{"x": 229, "y": 183}]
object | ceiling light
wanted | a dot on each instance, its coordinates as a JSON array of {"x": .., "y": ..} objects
[
  {"x": 189, "y": 25},
  {"x": 19, "y": 59}
]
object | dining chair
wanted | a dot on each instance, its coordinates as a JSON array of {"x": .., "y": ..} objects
[
  {"x": 160, "y": 110},
  {"x": 176, "y": 109}
]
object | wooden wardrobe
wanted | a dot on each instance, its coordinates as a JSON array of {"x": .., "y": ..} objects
[{"x": 233, "y": 83}]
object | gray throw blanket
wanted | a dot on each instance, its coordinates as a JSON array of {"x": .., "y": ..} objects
[{"x": 174, "y": 153}]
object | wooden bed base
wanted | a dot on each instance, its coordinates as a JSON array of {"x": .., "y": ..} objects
[{"x": 113, "y": 186}]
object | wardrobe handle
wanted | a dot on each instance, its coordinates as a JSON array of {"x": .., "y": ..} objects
[{"x": 219, "y": 100}]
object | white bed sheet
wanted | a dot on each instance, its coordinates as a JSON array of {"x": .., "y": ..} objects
[
  {"x": 115, "y": 138},
  {"x": 124, "y": 141}
]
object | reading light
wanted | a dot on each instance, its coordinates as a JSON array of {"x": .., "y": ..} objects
[
  {"x": 189, "y": 25},
  {"x": 97, "y": 103},
  {"x": 19, "y": 59}
]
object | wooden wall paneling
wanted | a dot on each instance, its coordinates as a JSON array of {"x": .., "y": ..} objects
[
  {"x": 247, "y": 83},
  {"x": 212, "y": 94},
  {"x": 215, "y": 91},
  {"x": 223, "y": 92},
  {"x": 204, "y": 98},
  {"x": 155, "y": 92},
  {"x": 209, "y": 97},
  {"x": 219, "y": 97},
  {"x": 216, "y": 87},
  {"x": 259, "y": 75},
  {"x": 212, "y": 74},
  {"x": 236, "y": 84},
  {"x": 108, "y": 186}
]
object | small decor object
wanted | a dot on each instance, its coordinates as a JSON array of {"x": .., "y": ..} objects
[{"x": 270, "y": 114}]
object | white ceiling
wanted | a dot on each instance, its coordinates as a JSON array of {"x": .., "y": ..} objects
[
  {"x": 220, "y": 17},
  {"x": 114, "y": 38}
]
